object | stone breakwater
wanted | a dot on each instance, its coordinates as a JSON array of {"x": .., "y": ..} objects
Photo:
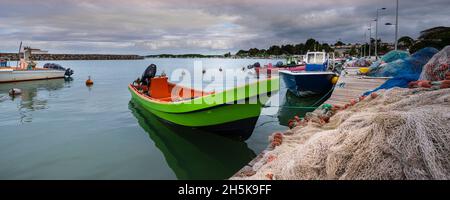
[{"x": 14, "y": 57}]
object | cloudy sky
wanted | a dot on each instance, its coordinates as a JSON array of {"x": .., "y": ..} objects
[{"x": 202, "y": 26}]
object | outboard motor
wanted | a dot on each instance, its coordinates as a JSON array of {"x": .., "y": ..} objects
[
  {"x": 257, "y": 65},
  {"x": 68, "y": 72},
  {"x": 254, "y": 65},
  {"x": 148, "y": 74},
  {"x": 279, "y": 64}
]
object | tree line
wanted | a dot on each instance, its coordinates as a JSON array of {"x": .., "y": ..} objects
[
  {"x": 437, "y": 37},
  {"x": 288, "y": 49}
]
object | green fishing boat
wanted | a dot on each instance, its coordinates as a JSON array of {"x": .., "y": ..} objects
[{"x": 223, "y": 111}]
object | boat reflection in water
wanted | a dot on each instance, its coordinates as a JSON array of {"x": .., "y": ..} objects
[
  {"x": 193, "y": 153},
  {"x": 292, "y": 106},
  {"x": 29, "y": 100}
]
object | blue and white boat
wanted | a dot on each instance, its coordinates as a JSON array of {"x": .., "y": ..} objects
[{"x": 315, "y": 79}]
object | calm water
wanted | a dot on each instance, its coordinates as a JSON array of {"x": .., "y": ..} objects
[{"x": 61, "y": 129}]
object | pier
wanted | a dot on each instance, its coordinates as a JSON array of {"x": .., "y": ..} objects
[{"x": 351, "y": 86}]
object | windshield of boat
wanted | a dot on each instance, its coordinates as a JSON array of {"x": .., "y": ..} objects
[{"x": 315, "y": 58}]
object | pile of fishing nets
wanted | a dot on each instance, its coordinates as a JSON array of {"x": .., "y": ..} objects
[
  {"x": 407, "y": 72},
  {"x": 389, "y": 57},
  {"x": 437, "y": 67},
  {"x": 361, "y": 62},
  {"x": 394, "y": 134},
  {"x": 411, "y": 65},
  {"x": 394, "y": 55}
]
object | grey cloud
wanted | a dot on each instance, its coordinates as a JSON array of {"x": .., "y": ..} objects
[{"x": 156, "y": 26}]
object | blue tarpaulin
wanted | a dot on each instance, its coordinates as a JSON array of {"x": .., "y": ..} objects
[{"x": 404, "y": 70}]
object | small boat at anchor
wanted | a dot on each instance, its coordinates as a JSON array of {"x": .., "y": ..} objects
[
  {"x": 220, "y": 112},
  {"x": 27, "y": 70},
  {"x": 291, "y": 64},
  {"x": 315, "y": 79}
]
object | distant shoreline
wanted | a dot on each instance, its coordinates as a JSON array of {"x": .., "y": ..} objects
[
  {"x": 215, "y": 56},
  {"x": 48, "y": 57},
  {"x": 38, "y": 57}
]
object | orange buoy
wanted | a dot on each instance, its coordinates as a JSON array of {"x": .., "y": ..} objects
[
  {"x": 361, "y": 98},
  {"x": 89, "y": 81},
  {"x": 374, "y": 95}
]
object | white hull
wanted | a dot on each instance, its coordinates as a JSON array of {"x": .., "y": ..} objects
[{"x": 9, "y": 75}]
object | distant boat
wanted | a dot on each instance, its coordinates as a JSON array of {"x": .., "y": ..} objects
[
  {"x": 199, "y": 109},
  {"x": 315, "y": 79},
  {"x": 291, "y": 64},
  {"x": 27, "y": 70}
]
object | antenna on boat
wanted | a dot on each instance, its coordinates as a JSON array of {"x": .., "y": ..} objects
[{"x": 18, "y": 54}]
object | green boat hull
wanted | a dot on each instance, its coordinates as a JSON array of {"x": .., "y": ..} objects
[{"x": 215, "y": 109}]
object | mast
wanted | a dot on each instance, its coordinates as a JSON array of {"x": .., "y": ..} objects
[{"x": 18, "y": 54}]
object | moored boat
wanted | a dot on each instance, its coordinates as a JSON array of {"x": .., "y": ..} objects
[
  {"x": 27, "y": 70},
  {"x": 214, "y": 111},
  {"x": 315, "y": 79},
  {"x": 291, "y": 64}
]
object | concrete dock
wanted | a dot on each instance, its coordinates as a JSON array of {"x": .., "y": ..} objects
[{"x": 351, "y": 86}]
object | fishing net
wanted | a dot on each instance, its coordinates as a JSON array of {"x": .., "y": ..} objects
[
  {"x": 411, "y": 65},
  {"x": 394, "y": 55},
  {"x": 398, "y": 134},
  {"x": 389, "y": 57},
  {"x": 437, "y": 67},
  {"x": 361, "y": 62},
  {"x": 410, "y": 69},
  {"x": 398, "y": 81}
]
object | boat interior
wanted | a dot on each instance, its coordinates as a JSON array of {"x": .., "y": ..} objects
[{"x": 162, "y": 90}]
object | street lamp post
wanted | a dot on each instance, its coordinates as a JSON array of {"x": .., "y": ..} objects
[
  {"x": 390, "y": 24},
  {"x": 364, "y": 46},
  {"x": 376, "y": 32},
  {"x": 370, "y": 38},
  {"x": 396, "y": 26}
]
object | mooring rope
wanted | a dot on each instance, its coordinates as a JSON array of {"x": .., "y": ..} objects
[
  {"x": 313, "y": 106},
  {"x": 331, "y": 90}
]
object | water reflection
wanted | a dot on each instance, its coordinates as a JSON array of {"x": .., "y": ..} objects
[
  {"x": 292, "y": 106},
  {"x": 191, "y": 153},
  {"x": 29, "y": 100}
]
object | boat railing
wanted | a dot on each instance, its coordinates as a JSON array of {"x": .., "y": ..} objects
[{"x": 331, "y": 61}]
